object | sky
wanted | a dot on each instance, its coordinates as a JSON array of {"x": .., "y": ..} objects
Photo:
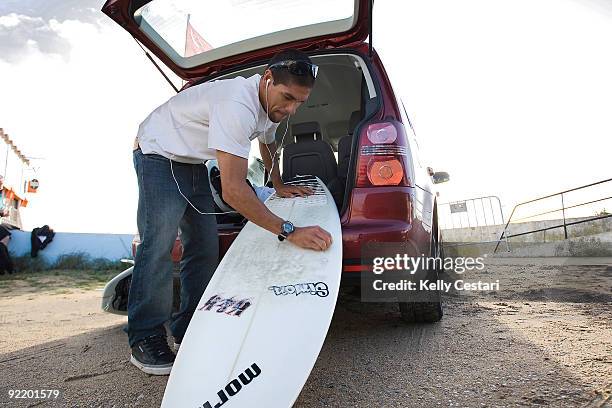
[{"x": 512, "y": 98}]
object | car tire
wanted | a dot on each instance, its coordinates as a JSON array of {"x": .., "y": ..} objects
[
  {"x": 421, "y": 312},
  {"x": 426, "y": 312}
]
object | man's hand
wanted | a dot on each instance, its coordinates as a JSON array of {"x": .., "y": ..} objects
[
  {"x": 285, "y": 191},
  {"x": 311, "y": 238}
]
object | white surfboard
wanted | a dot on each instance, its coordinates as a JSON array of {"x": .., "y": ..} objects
[{"x": 262, "y": 320}]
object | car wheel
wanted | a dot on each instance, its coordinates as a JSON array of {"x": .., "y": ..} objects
[{"x": 426, "y": 312}]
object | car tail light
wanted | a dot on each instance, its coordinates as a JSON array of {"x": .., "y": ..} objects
[
  {"x": 379, "y": 133},
  {"x": 385, "y": 172},
  {"x": 382, "y": 156}
]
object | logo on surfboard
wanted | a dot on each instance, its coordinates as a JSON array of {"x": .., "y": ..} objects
[
  {"x": 318, "y": 288},
  {"x": 235, "y": 386},
  {"x": 229, "y": 306}
]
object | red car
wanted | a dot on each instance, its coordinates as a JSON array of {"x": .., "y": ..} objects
[{"x": 353, "y": 132}]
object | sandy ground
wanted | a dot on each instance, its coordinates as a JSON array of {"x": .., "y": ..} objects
[{"x": 545, "y": 339}]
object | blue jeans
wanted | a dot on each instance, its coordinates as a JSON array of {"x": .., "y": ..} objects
[{"x": 162, "y": 211}]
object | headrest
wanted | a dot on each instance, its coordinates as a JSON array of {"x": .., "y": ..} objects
[
  {"x": 307, "y": 137},
  {"x": 353, "y": 121},
  {"x": 306, "y": 131}
]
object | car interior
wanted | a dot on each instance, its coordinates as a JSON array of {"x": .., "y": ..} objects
[{"x": 319, "y": 137}]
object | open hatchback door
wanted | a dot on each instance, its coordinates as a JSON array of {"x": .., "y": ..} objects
[{"x": 197, "y": 38}]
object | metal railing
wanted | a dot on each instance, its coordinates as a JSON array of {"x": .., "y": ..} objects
[
  {"x": 505, "y": 236},
  {"x": 478, "y": 212}
]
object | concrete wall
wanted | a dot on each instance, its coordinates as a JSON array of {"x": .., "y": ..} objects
[
  {"x": 589, "y": 246},
  {"x": 493, "y": 232},
  {"x": 597, "y": 245},
  {"x": 109, "y": 246},
  {"x": 589, "y": 239}
]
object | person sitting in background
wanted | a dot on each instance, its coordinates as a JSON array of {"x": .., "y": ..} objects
[
  {"x": 3, "y": 207},
  {"x": 6, "y": 263}
]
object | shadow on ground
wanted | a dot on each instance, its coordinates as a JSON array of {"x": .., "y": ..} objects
[{"x": 370, "y": 359}]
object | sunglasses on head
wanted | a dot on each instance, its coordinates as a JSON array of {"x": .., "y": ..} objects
[{"x": 300, "y": 68}]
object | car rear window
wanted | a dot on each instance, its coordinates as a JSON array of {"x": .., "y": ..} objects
[{"x": 192, "y": 27}]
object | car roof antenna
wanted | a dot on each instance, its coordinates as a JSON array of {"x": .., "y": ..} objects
[{"x": 156, "y": 66}]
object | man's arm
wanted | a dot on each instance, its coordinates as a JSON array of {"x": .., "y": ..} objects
[
  {"x": 274, "y": 169},
  {"x": 241, "y": 197},
  {"x": 238, "y": 194}
]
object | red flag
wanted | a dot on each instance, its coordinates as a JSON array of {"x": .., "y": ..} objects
[{"x": 194, "y": 42}]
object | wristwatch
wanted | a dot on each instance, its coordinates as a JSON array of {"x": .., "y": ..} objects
[{"x": 286, "y": 229}]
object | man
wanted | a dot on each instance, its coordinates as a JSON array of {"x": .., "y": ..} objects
[
  {"x": 3, "y": 206},
  {"x": 212, "y": 120},
  {"x": 6, "y": 263}
]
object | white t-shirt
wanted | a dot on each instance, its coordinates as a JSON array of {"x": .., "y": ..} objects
[{"x": 221, "y": 115}]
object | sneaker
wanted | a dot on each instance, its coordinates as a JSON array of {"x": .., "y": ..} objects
[
  {"x": 153, "y": 355},
  {"x": 177, "y": 343}
]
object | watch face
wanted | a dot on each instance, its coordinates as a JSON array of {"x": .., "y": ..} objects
[{"x": 287, "y": 227}]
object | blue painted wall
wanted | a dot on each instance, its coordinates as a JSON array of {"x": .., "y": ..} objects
[{"x": 110, "y": 246}]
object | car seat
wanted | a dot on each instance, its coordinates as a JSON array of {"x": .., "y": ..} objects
[{"x": 310, "y": 155}]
